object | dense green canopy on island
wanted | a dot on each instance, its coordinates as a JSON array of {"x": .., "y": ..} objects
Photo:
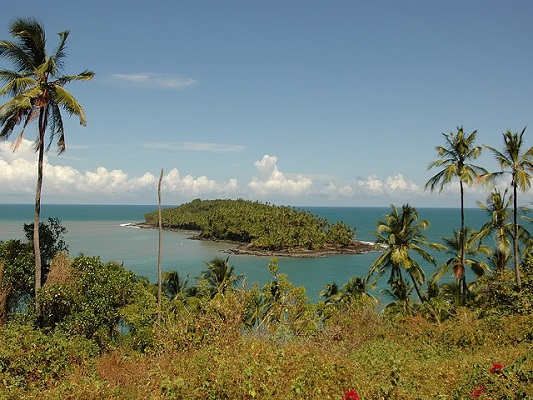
[{"x": 262, "y": 226}]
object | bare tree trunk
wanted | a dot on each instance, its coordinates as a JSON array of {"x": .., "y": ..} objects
[{"x": 159, "y": 291}]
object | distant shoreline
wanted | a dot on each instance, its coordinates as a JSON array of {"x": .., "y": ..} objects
[{"x": 356, "y": 247}]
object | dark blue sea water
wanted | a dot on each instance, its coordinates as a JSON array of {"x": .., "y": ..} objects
[{"x": 99, "y": 230}]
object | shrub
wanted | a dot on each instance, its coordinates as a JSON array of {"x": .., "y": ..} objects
[
  {"x": 90, "y": 303},
  {"x": 30, "y": 357}
]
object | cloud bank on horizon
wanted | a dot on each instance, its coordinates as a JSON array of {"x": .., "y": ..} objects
[{"x": 64, "y": 184}]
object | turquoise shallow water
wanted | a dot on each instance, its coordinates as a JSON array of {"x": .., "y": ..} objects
[{"x": 99, "y": 230}]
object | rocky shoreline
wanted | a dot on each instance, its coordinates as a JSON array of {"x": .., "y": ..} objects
[{"x": 356, "y": 247}]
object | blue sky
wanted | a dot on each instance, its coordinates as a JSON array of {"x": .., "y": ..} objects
[{"x": 332, "y": 103}]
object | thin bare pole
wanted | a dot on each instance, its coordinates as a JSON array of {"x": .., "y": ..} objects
[{"x": 159, "y": 250}]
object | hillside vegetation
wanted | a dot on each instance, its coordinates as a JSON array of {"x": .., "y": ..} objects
[
  {"x": 264, "y": 226},
  {"x": 101, "y": 334}
]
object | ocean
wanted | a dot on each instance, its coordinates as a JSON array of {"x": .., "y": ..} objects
[{"x": 102, "y": 230}]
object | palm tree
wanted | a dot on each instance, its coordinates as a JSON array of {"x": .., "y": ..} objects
[
  {"x": 357, "y": 288},
  {"x": 174, "y": 285},
  {"x": 513, "y": 160},
  {"x": 498, "y": 210},
  {"x": 401, "y": 233},
  {"x": 36, "y": 87},
  {"x": 332, "y": 293},
  {"x": 402, "y": 304},
  {"x": 454, "y": 160},
  {"x": 220, "y": 275},
  {"x": 457, "y": 264}
]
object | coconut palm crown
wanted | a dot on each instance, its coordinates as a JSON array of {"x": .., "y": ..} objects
[{"x": 400, "y": 233}]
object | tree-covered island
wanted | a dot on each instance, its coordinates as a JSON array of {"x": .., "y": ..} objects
[{"x": 261, "y": 228}]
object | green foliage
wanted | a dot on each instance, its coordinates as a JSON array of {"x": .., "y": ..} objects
[
  {"x": 18, "y": 261},
  {"x": 139, "y": 316},
  {"x": 220, "y": 275},
  {"x": 174, "y": 286},
  {"x": 498, "y": 294},
  {"x": 356, "y": 290},
  {"x": 31, "y": 358},
  {"x": 37, "y": 83},
  {"x": 280, "y": 309},
  {"x": 400, "y": 233},
  {"x": 402, "y": 304},
  {"x": 51, "y": 240},
  {"x": 90, "y": 304},
  {"x": 264, "y": 225},
  {"x": 200, "y": 321},
  {"x": 457, "y": 263},
  {"x": 498, "y": 381}
]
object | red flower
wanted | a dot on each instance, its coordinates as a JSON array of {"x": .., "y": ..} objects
[
  {"x": 496, "y": 368},
  {"x": 350, "y": 395},
  {"x": 477, "y": 391}
]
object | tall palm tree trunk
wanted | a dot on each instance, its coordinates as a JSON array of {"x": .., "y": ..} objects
[
  {"x": 462, "y": 278},
  {"x": 36, "y": 221},
  {"x": 422, "y": 299},
  {"x": 515, "y": 239}
]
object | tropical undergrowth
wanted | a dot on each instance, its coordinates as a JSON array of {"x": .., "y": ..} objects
[{"x": 101, "y": 339}]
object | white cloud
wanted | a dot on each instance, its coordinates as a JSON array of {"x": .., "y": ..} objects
[
  {"x": 346, "y": 191},
  {"x": 189, "y": 186},
  {"x": 371, "y": 184},
  {"x": 197, "y": 146},
  {"x": 271, "y": 181},
  {"x": 67, "y": 184},
  {"x": 17, "y": 169},
  {"x": 153, "y": 80},
  {"x": 18, "y": 174},
  {"x": 398, "y": 183},
  {"x": 392, "y": 185},
  {"x": 332, "y": 191}
]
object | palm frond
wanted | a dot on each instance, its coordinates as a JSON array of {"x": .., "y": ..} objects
[{"x": 65, "y": 100}]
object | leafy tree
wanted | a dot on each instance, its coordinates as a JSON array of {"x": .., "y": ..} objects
[
  {"x": 401, "y": 235},
  {"x": 454, "y": 159},
  {"x": 17, "y": 260},
  {"x": 51, "y": 241},
  {"x": 37, "y": 90},
  {"x": 89, "y": 302},
  {"x": 499, "y": 295},
  {"x": 518, "y": 162}
]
